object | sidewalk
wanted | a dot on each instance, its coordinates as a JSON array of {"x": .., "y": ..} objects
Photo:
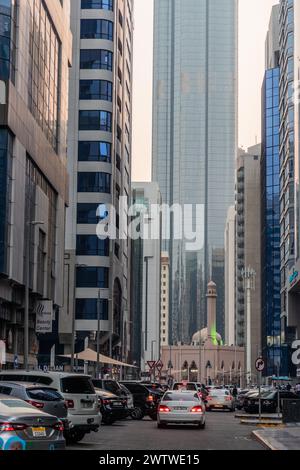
[{"x": 287, "y": 438}]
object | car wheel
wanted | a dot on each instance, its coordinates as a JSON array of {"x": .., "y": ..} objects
[
  {"x": 202, "y": 425},
  {"x": 137, "y": 414},
  {"x": 74, "y": 436},
  {"x": 161, "y": 425}
]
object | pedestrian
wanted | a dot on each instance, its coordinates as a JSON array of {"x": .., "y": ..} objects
[
  {"x": 235, "y": 392},
  {"x": 289, "y": 387},
  {"x": 297, "y": 389}
]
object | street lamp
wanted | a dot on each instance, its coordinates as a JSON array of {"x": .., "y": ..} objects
[
  {"x": 249, "y": 276},
  {"x": 27, "y": 282}
]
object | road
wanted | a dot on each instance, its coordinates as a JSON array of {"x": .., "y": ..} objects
[{"x": 223, "y": 432}]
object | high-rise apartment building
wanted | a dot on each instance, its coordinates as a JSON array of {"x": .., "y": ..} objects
[
  {"x": 99, "y": 162},
  {"x": 35, "y": 54},
  {"x": 195, "y": 143},
  {"x": 146, "y": 276},
  {"x": 288, "y": 141},
  {"x": 248, "y": 251}
]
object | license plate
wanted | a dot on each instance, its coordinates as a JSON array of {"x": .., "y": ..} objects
[
  {"x": 180, "y": 408},
  {"x": 87, "y": 405},
  {"x": 39, "y": 432},
  {"x": 218, "y": 406}
]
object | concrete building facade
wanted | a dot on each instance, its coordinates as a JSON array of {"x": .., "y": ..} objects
[
  {"x": 35, "y": 44},
  {"x": 248, "y": 243},
  {"x": 146, "y": 277},
  {"x": 99, "y": 161}
]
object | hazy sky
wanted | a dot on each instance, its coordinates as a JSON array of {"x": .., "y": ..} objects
[{"x": 253, "y": 25}]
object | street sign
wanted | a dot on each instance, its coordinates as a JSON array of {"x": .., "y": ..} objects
[
  {"x": 260, "y": 364},
  {"x": 159, "y": 366},
  {"x": 151, "y": 365}
]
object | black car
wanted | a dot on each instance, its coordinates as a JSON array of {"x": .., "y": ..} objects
[
  {"x": 145, "y": 400},
  {"x": 109, "y": 385},
  {"x": 269, "y": 401},
  {"x": 112, "y": 408}
]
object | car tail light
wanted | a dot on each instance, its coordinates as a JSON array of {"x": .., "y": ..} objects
[
  {"x": 106, "y": 402},
  {"x": 228, "y": 399},
  {"x": 164, "y": 409},
  {"x": 200, "y": 395},
  {"x": 70, "y": 404},
  {"x": 10, "y": 427},
  {"x": 197, "y": 409},
  {"x": 36, "y": 404},
  {"x": 59, "y": 427}
]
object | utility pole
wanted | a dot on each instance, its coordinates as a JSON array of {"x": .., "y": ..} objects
[{"x": 249, "y": 276}]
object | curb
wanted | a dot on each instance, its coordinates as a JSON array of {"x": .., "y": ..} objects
[
  {"x": 263, "y": 423},
  {"x": 263, "y": 441}
]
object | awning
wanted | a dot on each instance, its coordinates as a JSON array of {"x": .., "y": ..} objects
[{"x": 91, "y": 356}]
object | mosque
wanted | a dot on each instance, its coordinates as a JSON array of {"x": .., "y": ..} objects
[{"x": 219, "y": 364}]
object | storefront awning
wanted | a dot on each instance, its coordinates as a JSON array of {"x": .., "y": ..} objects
[{"x": 91, "y": 356}]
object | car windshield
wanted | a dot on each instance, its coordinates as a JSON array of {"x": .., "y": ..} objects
[
  {"x": 181, "y": 386},
  {"x": 77, "y": 385},
  {"x": 36, "y": 379},
  {"x": 44, "y": 394},
  {"x": 181, "y": 397},
  {"x": 217, "y": 393},
  {"x": 112, "y": 386}
]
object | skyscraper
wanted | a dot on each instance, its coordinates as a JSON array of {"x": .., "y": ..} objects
[
  {"x": 195, "y": 142},
  {"x": 272, "y": 349},
  {"x": 35, "y": 45},
  {"x": 99, "y": 154},
  {"x": 289, "y": 143}
]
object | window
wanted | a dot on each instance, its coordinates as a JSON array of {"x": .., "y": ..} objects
[
  {"x": 95, "y": 121},
  {"x": 94, "y": 152},
  {"x": 96, "y": 59},
  {"x": 88, "y": 213},
  {"x": 95, "y": 90},
  {"x": 97, "y": 29},
  {"x": 94, "y": 182},
  {"x": 97, "y": 4},
  {"x": 44, "y": 69},
  {"x": 77, "y": 385},
  {"x": 87, "y": 309},
  {"x": 90, "y": 277},
  {"x": 91, "y": 245}
]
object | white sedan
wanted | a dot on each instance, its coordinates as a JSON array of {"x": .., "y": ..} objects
[{"x": 181, "y": 407}]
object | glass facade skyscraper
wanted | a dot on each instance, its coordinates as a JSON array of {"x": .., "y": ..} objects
[
  {"x": 195, "y": 143},
  {"x": 271, "y": 307}
]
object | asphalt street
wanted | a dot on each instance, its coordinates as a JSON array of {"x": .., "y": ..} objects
[{"x": 223, "y": 432}]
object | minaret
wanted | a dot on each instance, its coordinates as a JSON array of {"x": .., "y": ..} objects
[{"x": 211, "y": 313}]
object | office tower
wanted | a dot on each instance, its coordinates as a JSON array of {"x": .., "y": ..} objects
[
  {"x": 146, "y": 276},
  {"x": 230, "y": 234},
  {"x": 164, "y": 309},
  {"x": 99, "y": 153},
  {"x": 272, "y": 350},
  {"x": 194, "y": 144},
  {"x": 35, "y": 44},
  {"x": 289, "y": 22},
  {"x": 248, "y": 251}
]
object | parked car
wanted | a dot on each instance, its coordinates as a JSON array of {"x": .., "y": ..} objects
[
  {"x": 220, "y": 400},
  {"x": 24, "y": 427},
  {"x": 252, "y": 393},
  {"x": 109, "y": 385},
  {"x": 129, "y": 398},
  {"x": 78, "y": 392},
  {"x": 240, "y": 399},
  {"x": 269, "y": 401},
  {"x": 112, "y": 408},
  {"x": 181, "y": 407},
  {"x": 42, "y": 397},
  {"x": 145, "y": 401}
]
